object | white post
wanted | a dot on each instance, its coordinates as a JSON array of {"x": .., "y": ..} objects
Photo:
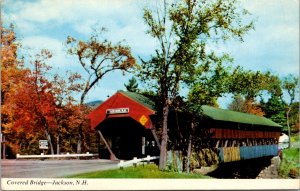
[
  {"x": 121, "y": 164},
  {"x": 18, "y": 155},
  {"x": 134, "y": 161},
  {"x": 148, "y": 159},
  {"x": 42, "y": 153},
  {"x": 143, "y": 145}
]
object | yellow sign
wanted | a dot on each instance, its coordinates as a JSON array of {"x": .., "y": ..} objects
[{"x": 143, "y": 120}]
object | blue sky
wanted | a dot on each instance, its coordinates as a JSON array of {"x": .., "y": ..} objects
[{"x": 273, "y": 45}]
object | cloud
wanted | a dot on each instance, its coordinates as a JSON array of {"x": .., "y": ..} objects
[
  {"x": 34, "y": 44},
  {"x": 122, "y": 18},
  {"x": 65, "y": 12},
  {"x": 274, "y": 44},
  {"x": 136, "y": 38},
  {"x": 38, "y": 42}
]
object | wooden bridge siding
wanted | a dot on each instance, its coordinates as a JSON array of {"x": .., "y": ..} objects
[
  {"x": 230, "y": 154},
  {"x": 249, "y": 152},
  {"x": 220, "y": 133}
]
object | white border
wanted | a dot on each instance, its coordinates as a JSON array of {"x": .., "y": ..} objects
[{"x": 152, "y": 184}]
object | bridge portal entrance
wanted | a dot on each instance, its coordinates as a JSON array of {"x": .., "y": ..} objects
[
  {"x": 127, "y": 138},
  {"x": 124, "y": 123}
]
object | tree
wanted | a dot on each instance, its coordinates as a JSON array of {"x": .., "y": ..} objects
[
  {"x": 274, "y": 109},
  {"x": 183, "y": 29},
  {"x": 251, "y": 84},
  {"x": 210, "y": 83},
  {"x": 13, "y": 76},
  {"x": 294, "y": 118},
  {"x": 132, "y": 85},
  {"x": 98, "y": 57},
  {"x": 290, "y": 84},
  {"x": 237, "y": 104},
  {"x": 34, "y": 104},
  {"x": 64, "y": 90},
  {"x": 241, "y": 104},
  {"x": 26, "y": 102}
]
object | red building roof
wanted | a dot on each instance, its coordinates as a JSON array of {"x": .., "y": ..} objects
[{"x": 124, "y": 104}]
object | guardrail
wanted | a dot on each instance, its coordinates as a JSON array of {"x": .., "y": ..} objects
[
  {"x": 55, "y": 156},
  {"x": 135, "y": 161}
]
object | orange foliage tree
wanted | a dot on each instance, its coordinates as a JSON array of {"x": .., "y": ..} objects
[
  {"x": 35, "y": 103},
  {"x": 46, "y": 107},
  {"x": 12, "y": 77},
  {"x": 69, "y": 115}
]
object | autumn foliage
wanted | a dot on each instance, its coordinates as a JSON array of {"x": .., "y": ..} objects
[{"x": 36, "y": 105}]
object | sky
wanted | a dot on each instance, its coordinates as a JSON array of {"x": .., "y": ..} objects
[{"x": 272, "y": 46}]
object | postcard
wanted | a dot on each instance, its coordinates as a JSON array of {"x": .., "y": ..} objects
[{"x": 150, "y": 95}]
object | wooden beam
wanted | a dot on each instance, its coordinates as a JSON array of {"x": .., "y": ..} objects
[
  {"x": 189, "y": 152},
  {"x": 248, "y": 142},
  {"x": 112, "y": 155},
  {"x": 225, "y": 145},
  {"x": 233, "y": 143},
  {"x": 217, "y": 145},
  {"x": 255, "y": 142},
  {"x": 155, "y": 136}
]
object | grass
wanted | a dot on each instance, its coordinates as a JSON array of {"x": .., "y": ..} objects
[
  {"x": 295, "y": 137},
  {"x": 290, "y": 162},
  {"x": 147, "y": 171}
]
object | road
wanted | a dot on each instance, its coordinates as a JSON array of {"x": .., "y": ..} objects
[{"x": 52, "y": 168}]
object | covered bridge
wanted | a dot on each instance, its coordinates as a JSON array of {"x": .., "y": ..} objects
[
  {"x": 240, "y": 136},
  {"x": 126, "y": 124}
]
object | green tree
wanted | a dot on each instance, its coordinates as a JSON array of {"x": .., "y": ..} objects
[
  {"x": 290, "y": 85},
  {"x": 294, "y": 118},
  {"x": 210, "y": 82},
  {"x": 183, "y": 29},
  {"x": 132, "y": 85},
  {"x": 250, "y": 84},
  {"x": 274, "y": 109}
]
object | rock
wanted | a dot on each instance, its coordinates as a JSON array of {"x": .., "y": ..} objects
[
  {"x": 272, "y": 170},
  {"x": 205, "y": 170}
]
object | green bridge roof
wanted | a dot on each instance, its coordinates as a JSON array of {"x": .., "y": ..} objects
[
  {"x": 140, "y": 99},
  {"x": 238, "y": 117},
  {"x": 211, "y": 112}
]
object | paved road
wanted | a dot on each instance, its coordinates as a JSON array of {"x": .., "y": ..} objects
[{"x": 51, "y": 168}]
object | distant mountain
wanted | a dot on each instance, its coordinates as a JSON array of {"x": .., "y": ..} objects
[{"x": 94, "y": 104}]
